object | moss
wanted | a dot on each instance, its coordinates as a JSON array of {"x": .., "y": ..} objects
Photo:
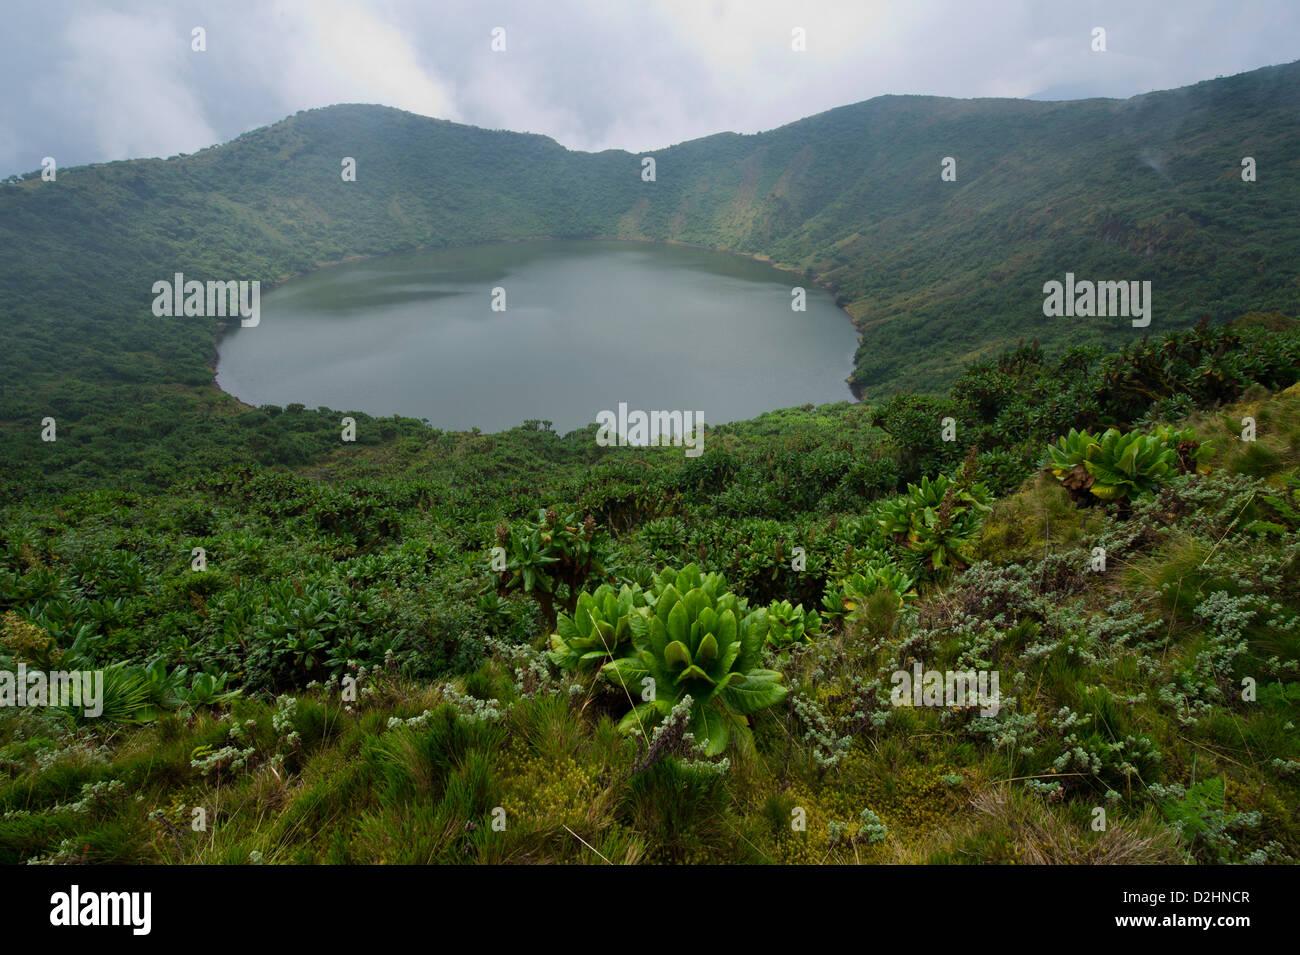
[
  {"x": 1039, "y": 516},
  {"x": 549, "y": 792}
]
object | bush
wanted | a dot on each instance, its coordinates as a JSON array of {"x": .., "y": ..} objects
[
  {"x": 700, "y": 641},
  {"x": 938, "y": 522},
  {"x": 1120, "y": 467}
]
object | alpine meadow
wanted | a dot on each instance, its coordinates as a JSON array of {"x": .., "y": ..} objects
[{"x": 1027, "y": 591}]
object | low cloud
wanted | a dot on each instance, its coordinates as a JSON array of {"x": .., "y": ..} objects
[
  {"x": 85, "y": 84},
  {"x": 124, "y": 84}
]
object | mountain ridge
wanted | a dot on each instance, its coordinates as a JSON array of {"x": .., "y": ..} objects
[{"x": 935, "y": 273}]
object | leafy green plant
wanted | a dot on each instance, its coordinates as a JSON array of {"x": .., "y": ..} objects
[
  {"x": 1119, "y": 467},
  {"x": 848, "y": 595},
  {"x": 551, "y": 560},
  {"x": 668, "y": 579},
  {"x": 1284, "y": 506},
  {"x": 1191, "y": 456},
  {"x": 1202, "y": 816},
  {"x": 166, "y": 689},
  {"x": 665, "y": 535},
  {"x": 207, "y": 689},
  {"x": 1126, "y": 465},
  {"x": 1066, "y": 460},
  {"x": 126, "y": 696},
  {"x": 937, "y": 521},
  {"x": 702, "y": 641},
  {"x": 600, "y": 627},
  {"x": 788, "y": 624},
  {"x": 307, "y": 629}
]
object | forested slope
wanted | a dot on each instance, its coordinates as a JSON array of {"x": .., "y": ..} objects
[{"x": 937, "y": 273}]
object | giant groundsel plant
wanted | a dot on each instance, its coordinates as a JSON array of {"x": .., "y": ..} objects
[{"x": 700, "y": 640}]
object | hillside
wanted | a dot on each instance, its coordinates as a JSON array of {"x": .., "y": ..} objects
[
  {"x": 1158, "y": 687},
  {"x": 936, "y": 273},
  {"x": 431, "y": 646}
]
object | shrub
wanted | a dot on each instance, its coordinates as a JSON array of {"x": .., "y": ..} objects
[
  {"x": 699, "y": 640},
  {"x": 1119, "y": 467},
  {"x": 788, "y": 625},
  {"x": 551, "y": 560},
  {"x": 937, "y": 521},
  {"x": 600, "y": 628}
]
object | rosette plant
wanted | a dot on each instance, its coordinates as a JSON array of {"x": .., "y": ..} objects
[
  {"x": 848, "y": 595},
  {"x": 938, "y": 521},
  {"x": 714, "y": 583},
  {"x": 788, "y": 624},
  {"x": 1118, "y": 467},
  {"x": 1190, "y": 455},
  {"x": 551, "y": 560},
  {"x": 600, "y": 628},
  {"x": 699, "y": 640}
]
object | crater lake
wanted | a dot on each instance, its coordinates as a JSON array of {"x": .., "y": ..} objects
[{"x": 586, "y": 325}]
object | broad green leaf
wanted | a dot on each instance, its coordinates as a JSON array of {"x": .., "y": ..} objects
[
  {"x": 761, "y": 688},
  {"x": 708, "y": 620},
  {"x": 626, "y": 671},
  {"x": 708, "y": 650},
  {"x": 641, "y": 718},
  {"x": 676, "y": 655},
  {"x": 695, "y": 600},
  {"x": 679, "y": 626},
  {"x": 688, "y": 578},
  {"x": 667, "y": 600},
  {"x": 726, "y": 629},
  {"x": 711, "y": 729},
  {"x": 658, "y": 637},
  {"x": 693, "y": 672}
]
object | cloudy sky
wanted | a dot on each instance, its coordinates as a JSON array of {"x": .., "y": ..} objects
[{"x": 96, "y": 81}]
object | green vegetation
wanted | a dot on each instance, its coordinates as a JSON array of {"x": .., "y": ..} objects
[
  {"x": 345, "y": 682},
  {"x": 937, "y": 521},
  {"x": 314, "y": 652},
  {"x": 550, "y": 560},
  {"x": 788, "y": 626},
  {"x": 937, "y": 275},
  {"x": 1114, "y": 466},
  {"x": 600, "y": 628},
  {"x": 699, "y": 647}
]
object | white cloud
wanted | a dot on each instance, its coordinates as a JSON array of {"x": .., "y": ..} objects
[
  {"x": 122, "y": 79},
  {"x": 335, "y": 52},
  {"x": 592, "y": 74}
]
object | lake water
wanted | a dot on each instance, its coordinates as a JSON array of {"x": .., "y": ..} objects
[{"x": 587, "y": 325}]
